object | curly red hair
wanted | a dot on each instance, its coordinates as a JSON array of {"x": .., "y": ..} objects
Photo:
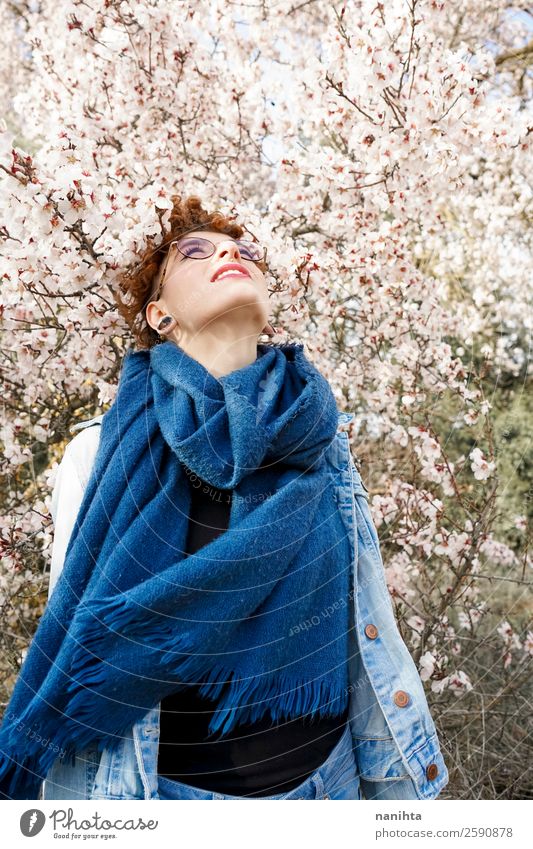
[{"x": 136, "y": 283}]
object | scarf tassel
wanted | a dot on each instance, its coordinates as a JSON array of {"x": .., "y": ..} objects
[
  {"x": 248, "y": 700},
  {"x": 238, "y": 699}
]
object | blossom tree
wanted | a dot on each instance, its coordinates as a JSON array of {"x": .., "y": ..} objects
[{"x": 382, "y": 153}]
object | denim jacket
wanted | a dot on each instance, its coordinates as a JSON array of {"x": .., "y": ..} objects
[{"x": 394, "y": 738}]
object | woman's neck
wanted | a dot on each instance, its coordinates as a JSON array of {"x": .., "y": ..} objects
[{"x": 219, "y": 355}]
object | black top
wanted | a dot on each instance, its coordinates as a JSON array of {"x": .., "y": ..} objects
[{"x": 259, "y": 759}]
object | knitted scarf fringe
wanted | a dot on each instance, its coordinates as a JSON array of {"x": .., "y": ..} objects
[{"x": 245, "y": 700}]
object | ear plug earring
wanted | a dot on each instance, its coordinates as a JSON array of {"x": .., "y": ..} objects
[{"x": 166, "y": 322}]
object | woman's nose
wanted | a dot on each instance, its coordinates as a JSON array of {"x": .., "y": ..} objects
[{"x": 231, "y": 250}]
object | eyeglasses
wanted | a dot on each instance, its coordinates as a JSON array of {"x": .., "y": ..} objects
[{"x": 194, "y": 247}]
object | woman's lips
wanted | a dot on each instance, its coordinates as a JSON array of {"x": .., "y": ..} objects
[{"x": 226, "y": 274}]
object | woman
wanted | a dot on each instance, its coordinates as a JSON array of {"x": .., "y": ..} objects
[{"x": 204, "y": 638}]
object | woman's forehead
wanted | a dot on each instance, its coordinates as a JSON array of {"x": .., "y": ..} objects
[{"x": 208, "y": 234}]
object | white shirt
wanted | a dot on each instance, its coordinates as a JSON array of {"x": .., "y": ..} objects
[{"x": 71, "y": 479}]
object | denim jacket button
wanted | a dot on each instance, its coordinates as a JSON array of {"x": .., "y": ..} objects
[
  {"x": 371, "y": 631},
  {"x": 432, "y": 771},
  {"x": 401, "y": 698}
]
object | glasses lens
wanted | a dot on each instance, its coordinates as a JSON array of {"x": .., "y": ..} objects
[
  {"x": 197, "y": 248},
  {"x": 249, "y": 250}
]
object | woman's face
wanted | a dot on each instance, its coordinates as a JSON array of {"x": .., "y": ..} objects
[{"x": 195, "y": 297}]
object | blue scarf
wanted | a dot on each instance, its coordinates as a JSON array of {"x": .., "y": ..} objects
[{"x": 132, "y": 618}]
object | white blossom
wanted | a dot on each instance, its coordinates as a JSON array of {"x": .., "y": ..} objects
[{"x": 481, "y": 467}]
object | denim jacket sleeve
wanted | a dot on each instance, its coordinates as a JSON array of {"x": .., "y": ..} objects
[
  {"x": 395, "y": 740},
  {"x": 406, "y": 763}
]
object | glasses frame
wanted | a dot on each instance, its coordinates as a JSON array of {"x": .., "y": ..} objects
[{"x": 161, "y": 273}]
